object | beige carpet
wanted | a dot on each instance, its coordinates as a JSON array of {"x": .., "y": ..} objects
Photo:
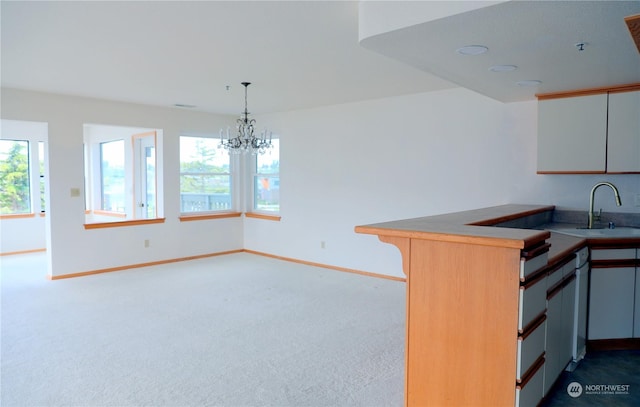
[{"x": 234, "y": 330}]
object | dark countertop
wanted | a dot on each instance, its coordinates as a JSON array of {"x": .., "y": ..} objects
[
  {"x": 476, "y": 226},
  {"x": 468, "y": 227},
  {"x": 563, "y": 245}
]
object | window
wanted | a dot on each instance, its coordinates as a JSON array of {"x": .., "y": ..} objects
[
  {"x": 122, "y": 176},
  {"x": 266, "y": 180},
  {"x": 144, "y": 161},
  {"x": 22, "y": 168},
  {"x": 15, "y": 188},
  {"x": 205, "y": 176},
  {"x": 112, "y": 186},
  {"x": 41, "y": 174}
]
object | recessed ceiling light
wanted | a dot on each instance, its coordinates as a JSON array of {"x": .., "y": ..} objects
[
  {"x": 529, "y": 82},
  {"x": 472, "y": 50},
  {"x": 503, "y": 68}
]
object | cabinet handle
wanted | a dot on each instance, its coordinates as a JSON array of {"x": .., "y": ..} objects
[
  {"x": 531, "y": 372},
  {"x": 534, "y": 251},
  {"x": 533, "y": 325}
]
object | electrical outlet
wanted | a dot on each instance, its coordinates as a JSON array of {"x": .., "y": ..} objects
[
  {"x": 323, "y": 245},
  {"x": 146, "y": 242}
]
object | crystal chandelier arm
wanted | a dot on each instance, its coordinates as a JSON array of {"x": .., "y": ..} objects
[{"x": 245, "y": 140}]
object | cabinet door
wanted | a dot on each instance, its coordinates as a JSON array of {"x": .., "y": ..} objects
[
  {"x": 623, "y": 150},
  {"x": 611, "y": 303},
  {"x": 553, "y": 345},
  {"x": 568, "y": 322},
  {"x": 572, "y": 134},
  {"x": 580, "y": 325}
]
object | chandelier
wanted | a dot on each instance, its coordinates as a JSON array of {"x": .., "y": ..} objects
[{"x": 245, "y": 140}]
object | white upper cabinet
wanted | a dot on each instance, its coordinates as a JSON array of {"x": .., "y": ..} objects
[
  {"x": 572, "y": 134},
  {"x": 623, "y": 151},
  {"x": 595, "y": 133}
]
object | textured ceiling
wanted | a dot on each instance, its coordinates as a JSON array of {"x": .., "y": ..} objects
[
  {"x": 539, "y": 37},
  {"x": 297, "y": 54},
  {"x": 304, "y": 54}
]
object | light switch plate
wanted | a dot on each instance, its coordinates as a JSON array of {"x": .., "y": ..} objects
[{"x": 75, "y": 192}]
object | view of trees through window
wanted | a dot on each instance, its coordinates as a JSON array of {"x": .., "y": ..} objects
[
  {"x": 112, "y": 176},
  {"x": 266, "y": 181},
  {"x": 205, "y": 175},
  {"x": 15, "y": 195}
]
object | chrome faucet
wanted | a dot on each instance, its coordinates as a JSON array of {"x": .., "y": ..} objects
[{"x": 593, "y": 192}]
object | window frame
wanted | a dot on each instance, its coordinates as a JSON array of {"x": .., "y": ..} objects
[
  {"x": 94, "y": 136},
  {"x": 30, "y": 210},
  {"x": 254, "y": 211},
  {"x": 101, "y": 177},
  {"x": 231, "y": 211},
  {"x": 42, "y": 175},
  {"x": 34, "y": 134}
]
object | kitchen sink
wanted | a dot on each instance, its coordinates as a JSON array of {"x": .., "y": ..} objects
[{"x": 595, "y": 233}]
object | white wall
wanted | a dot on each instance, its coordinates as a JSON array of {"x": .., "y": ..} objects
[
  {"x": 74, "y": 249},
  {"x": 341, "y": 166},
  {"x": 387, "y": 159},
  {"x": 399, "y": 158}
]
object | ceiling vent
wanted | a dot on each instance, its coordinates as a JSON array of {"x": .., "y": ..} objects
[{"x": 633, "y": 22}]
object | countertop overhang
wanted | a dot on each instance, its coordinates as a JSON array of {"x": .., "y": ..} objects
[
  {"x": 478, "y": 227},
  {"x": 472, "y": 226}
]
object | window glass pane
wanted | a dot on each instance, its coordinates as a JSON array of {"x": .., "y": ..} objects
[
  {"x": 15, "y": 194},
  {"x": 267, "y": 193},
  {"x": 150, "y": 181},
  {"x": 112, "y": 176},
  {"x": 266, "y": 181},
  {"x": 205, "y": 175},
  {"x": 269, "y": 162},
  {"x": 208, "y": 199},
  {"x": 41, "y": 161}
]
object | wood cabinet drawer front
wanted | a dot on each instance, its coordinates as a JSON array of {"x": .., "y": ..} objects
[
  {"x": 533, "y": 302},
  {"x": 528, "y": 267},
  {"x": 613, "y": 254},
  {"x": 530, "y": 393},
  {"x": 530, "y": 347}
]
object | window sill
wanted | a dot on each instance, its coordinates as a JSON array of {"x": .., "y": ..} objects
[
  {"x": 255, "y": 215},
  {"x": 188, "y": 218},
  {"x": 118, "y": 224},
  {"x": 109, "y": 213},
  {"x": 18, "y": 216}
]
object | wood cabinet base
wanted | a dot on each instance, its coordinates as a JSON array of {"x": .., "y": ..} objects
[{"x": 461, "y": 323}]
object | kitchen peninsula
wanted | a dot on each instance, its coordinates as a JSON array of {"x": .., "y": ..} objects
[{"x": 477, "y": 303}]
